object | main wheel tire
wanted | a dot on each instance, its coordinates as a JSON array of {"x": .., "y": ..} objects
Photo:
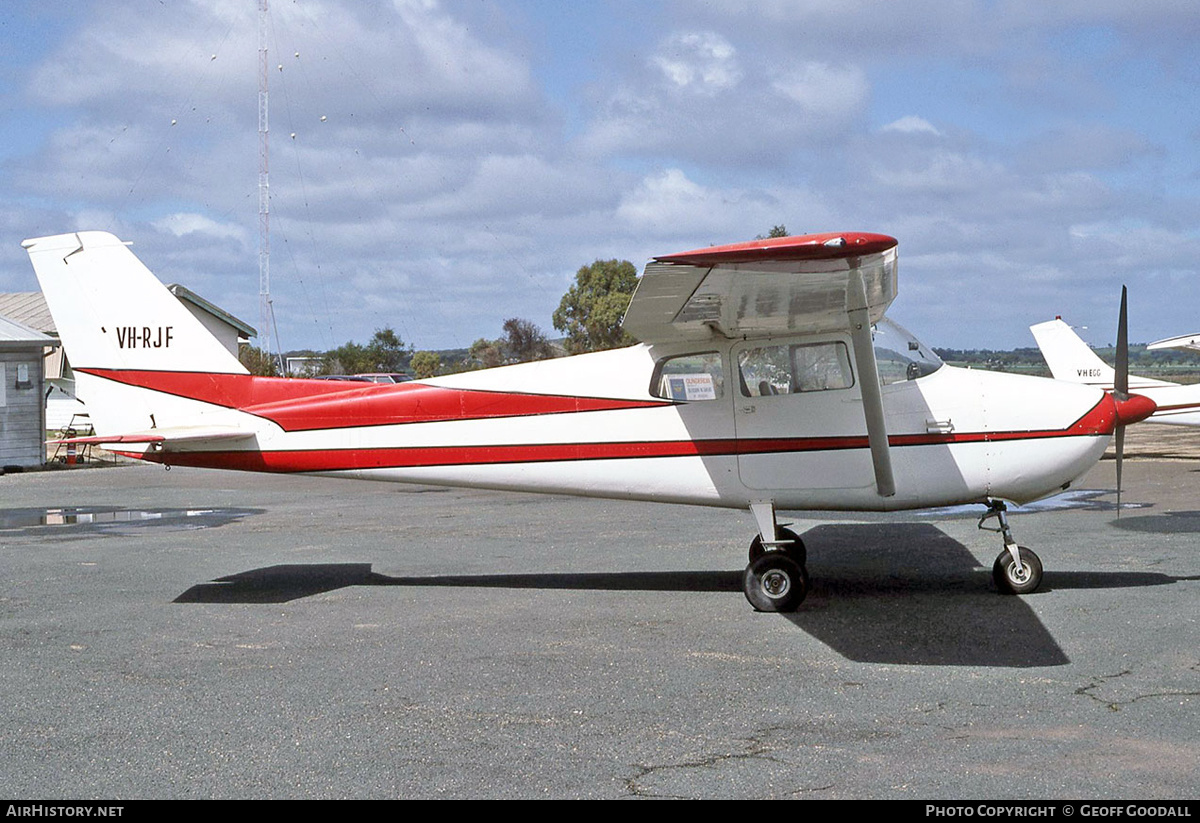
[
  {"x": 1011, "y": 580},
  {"x": 795, "y": 548},
  {"x": 775, "y": 583}
]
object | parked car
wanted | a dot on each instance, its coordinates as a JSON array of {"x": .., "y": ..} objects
[{"x": 386, "y": 377}]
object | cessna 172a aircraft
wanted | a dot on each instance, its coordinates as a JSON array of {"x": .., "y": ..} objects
[
  {"x": 1070, "y": 359},
  {"x": 768, "y": 379}
]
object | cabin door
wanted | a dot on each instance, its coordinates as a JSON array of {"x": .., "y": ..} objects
[{"x": 798, "y": 416}]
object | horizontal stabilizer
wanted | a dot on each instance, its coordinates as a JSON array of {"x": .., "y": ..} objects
[{"x": 169, "y": 439}]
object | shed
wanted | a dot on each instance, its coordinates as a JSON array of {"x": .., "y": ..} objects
[
  {"x": 22, "y": 387},
  {"x": 220, "y": 323}
]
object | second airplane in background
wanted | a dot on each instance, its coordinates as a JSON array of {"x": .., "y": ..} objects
[{"x": 1073, "y": 360}]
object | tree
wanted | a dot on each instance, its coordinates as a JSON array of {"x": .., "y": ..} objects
[
  {"x": 425, "y": 364},
  {"x": 258, "y": 362},
  {"x": 776, "y": 231},
  {"x": 590, "y": 312},
  {"x": 523, "y": 342},
  {"x": 385, "y": 353},
  {"x": 485, "y": 354}
]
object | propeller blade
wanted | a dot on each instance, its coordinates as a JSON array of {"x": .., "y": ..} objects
[
  {"x": 1121, "y": 385},
  {"x": 1120, "y": 457}
]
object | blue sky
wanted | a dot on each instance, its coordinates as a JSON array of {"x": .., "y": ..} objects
[{"x": 439, "y": 167}]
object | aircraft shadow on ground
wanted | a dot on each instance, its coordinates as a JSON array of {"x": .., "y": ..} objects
[
  {"x": 1165, "y": 523},
  {"x": 881, "y": 593}
]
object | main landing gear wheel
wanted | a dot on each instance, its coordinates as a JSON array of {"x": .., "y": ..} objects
[
  {"x": 794, "y": 548},
  {"x": 775, "y": 583},
  {"x": 1011, "y": 579}
]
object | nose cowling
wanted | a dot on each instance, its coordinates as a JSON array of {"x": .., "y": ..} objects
[{"x": 1134, "y": 409}]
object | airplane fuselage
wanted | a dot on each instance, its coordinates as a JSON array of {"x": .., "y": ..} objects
[
  {"x": 771, "y": 379},
  {"x": 612, "y": 424}
]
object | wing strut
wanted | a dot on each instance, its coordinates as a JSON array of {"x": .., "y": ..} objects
[{"x": 868, "y": 373}]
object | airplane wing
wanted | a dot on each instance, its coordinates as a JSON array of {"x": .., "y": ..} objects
[
  {"x": 764, "y": 287},
  {"x": 1183, "y": 341},
  {"x": 814, "y": 283}
]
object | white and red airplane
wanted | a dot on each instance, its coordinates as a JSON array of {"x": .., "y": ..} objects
[
  {"x": 1071, "y": 359},
  {"x": 768, "y": 379}
]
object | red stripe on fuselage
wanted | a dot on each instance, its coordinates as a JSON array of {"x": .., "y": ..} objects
[
  {"x": 1098, "y": 421},
  {"x": 308, "y": 405}
]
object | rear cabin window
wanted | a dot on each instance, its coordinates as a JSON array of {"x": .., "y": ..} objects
[
  {"x": 772, "y": 370},
  {"x": 690, "y": 377}
]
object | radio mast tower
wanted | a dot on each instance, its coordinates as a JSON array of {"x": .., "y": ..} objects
[{"x": 266, "y": 318}]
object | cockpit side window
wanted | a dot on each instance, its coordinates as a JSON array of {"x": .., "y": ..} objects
[
  {"x": 690, "y": 377},
  {"x": 900, "y": 356},
  {"x": 771, "y": 370}
]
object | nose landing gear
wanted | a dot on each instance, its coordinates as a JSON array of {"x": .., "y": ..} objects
[{"x": 1017, "y": 570}]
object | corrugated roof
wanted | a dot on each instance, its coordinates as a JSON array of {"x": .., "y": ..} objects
[
  {"x": 13, "y": 333},
  {"x": 29, "y": 309}
]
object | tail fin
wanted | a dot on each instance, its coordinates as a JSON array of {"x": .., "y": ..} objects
[
  {"x": 1068, "y": 357},
  {"x": 112, "y": 313},
  {"x": 113, "y": 317}
]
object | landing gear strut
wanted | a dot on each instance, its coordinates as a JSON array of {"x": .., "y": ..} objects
[
  {"x": 776, "y": 579},
  {"x": 1017, "y": 570}
]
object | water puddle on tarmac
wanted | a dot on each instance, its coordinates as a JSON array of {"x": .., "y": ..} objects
[{"x": 115, "y": 516}]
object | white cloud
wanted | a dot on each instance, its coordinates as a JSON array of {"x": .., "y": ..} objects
[
  {"x": 182, "y": 224},
  {"x": 941, "y": 172},
  {"x": 912, "y": 124},
  {"x": 704, "y": 62},
  {"x": 664, "y": 200},
  {"x": 825, "y": 91},
  {"x": 675, "y": 209}
]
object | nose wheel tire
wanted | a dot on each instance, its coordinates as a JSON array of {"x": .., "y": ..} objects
[
  {"x": 775, "y": 583},
  {"x": 1011, "y": 579}
]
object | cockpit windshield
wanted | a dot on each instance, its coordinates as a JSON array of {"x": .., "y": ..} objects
[{"x": 899, "y": 355}]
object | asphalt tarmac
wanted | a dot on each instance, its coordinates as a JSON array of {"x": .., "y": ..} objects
[{"x": 197, "y": 634}]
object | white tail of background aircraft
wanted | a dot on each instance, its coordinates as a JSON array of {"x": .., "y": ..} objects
[{"x": 1072, "y": 360}]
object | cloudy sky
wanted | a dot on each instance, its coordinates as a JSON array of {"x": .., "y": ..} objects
[{"x": 438, "y": 166}]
